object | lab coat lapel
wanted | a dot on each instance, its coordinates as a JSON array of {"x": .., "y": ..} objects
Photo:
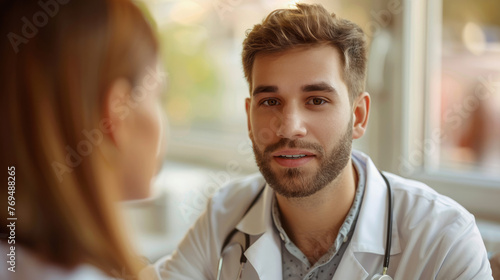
[
  {"x": 350, "y": 268},
  {"x": 265, "y": 253},
  {"x": 258, "y": 219},
  {"x": 370, "y": 233},
  {"x": 265, "y": 256}
]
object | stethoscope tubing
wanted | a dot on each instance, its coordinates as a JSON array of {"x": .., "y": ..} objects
[{"x": 387, "y": 256}]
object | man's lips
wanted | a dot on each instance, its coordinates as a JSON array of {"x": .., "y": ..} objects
[
  {"x": 291, "y": 152},
  {"x": 292, "y": 158}
]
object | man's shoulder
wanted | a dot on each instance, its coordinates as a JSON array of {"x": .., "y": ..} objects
[
  {"x": 238, "y": 192},
  {"x": 429, "y": 222},
  {"x": 413, "y": 193},
  {"x": 419, "y": 203},
  {"x": 245, "y": 185}
]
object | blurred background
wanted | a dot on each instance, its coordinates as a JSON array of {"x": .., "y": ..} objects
[{"x": 434, "y": 78}]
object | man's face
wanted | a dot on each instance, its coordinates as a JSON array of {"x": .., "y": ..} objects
[{"x": 300, "y": 119}]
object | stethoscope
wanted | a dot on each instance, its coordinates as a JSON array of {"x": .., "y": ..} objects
[{"x": 227, "y": 248}]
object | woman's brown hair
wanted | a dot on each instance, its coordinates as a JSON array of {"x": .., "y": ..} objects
[{"x": 59, "y": 59}]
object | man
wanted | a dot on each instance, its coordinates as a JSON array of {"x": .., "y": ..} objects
[{"x": 320, "y": 210}]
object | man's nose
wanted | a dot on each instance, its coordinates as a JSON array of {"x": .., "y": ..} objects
[{"x": 291, "y": 124}]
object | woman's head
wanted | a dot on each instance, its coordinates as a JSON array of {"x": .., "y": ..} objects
[{"x": 79, "y": 83}]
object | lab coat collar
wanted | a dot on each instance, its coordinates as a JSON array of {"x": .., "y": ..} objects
[
  {"x": 350, "y": 268},
  {"x": 370, "y": 233},
  {"x": 258, "y": 219},
  {"x": 265, "y": 256},
  {"x": 265, "y": 253}
]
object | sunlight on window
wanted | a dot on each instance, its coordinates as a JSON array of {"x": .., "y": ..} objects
[{"x": 470, "y": 87}]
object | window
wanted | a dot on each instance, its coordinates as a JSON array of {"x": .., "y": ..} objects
[
  {"x": 466, "y": 96},
  {"x": 450, "y": 100}
]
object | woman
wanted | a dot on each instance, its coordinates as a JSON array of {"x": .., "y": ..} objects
[{"x": 80, "y": 131}]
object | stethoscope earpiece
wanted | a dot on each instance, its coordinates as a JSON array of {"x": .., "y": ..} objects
[{"x": 381, "y": 277}]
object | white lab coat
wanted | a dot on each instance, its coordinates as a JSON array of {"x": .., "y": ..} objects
[{"x": 433, "y": 237}]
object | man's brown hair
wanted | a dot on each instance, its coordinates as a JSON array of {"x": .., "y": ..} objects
[{"x": 309, "y": 25}]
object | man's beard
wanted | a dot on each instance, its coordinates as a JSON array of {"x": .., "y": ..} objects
[{"x": 295, "y": 182}]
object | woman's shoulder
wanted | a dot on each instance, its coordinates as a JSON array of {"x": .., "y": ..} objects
[{"x": 22, "y": 264}]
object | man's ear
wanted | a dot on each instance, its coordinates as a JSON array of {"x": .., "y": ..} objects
[
  {"x": 247, "y": 108},
  {"x": 361, "y": 112},
  {"x": 117, "y": 109}
]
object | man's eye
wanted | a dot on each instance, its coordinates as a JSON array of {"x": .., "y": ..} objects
[
  {"x": 270, "y": 102},
  {"x": 316, "y": 101}
]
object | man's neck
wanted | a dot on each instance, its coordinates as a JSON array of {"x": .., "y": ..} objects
[{"x": 313, "y": 222}]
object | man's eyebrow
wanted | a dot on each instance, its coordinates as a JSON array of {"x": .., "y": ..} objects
[
  {"x": 319, "y": 87},
  {"x": 260, "y": 89}
]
